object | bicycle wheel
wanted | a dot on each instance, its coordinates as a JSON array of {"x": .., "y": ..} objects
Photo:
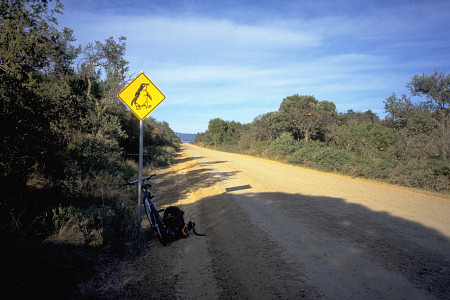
[
  {"x": 161, "y": 228},
  {"x": 148, "y": 213},
  {"x": 156, "y": 222}
]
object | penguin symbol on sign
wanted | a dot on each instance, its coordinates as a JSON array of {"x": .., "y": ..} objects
[{"x": 141, "y": 101}]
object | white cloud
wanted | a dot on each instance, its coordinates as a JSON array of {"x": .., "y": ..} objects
[
  {"x": 202, "y": 31},
  {"x": 220, "y": 66}
]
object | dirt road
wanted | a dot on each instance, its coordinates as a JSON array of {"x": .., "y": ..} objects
[{"x": 282, "y": 232}]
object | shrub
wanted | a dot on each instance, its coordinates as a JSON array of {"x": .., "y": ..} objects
[
  {"x": 331, "y": 159},
  {"x": 302, "y": 156},
  {"x": 129, "y": 169},
  {"x": 118, "y": 222},
  {"x": 413, "y": 176},
  {"x": 115, "y": 223},
  {"x": 61, "y": 215},
  {"x": 370, "y": 168},
  {"x": 161, "y": 155},
  {"x": 282, "y": 146},
  {"x": 230, "y": 147},
  {"x": 260, "y": 148}
]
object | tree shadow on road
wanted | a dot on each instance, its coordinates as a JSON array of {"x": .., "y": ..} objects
[
  {"x": 194, "y": 178},
  {"x": 393, "y": 243}
]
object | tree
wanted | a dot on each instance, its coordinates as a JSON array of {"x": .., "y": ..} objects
[
  {"x": 436, "y": 88},
  {"x": 218, "y": 129},
  {"x": 107, "y": 58},
  {"x": 305, "y": 103},
  {"x": 269, "y": 126},
  {"x": 223, "y": 131},
  {"x": 400, "y": 109},
  {"x": 27, "y": 37},
  {"x": 30, "y": 53},
  {"x": 309, "y": 118},
  {"x": 424, "y": 124},
  {"x": 364, "y": 137},
  {"x": 302, "y": 112},
  {"x": 327, "y": 120},
  {"x": 62, "y": 131}
]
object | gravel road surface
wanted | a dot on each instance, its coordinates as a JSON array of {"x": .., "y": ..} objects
[{"x": 276, "y": 231}]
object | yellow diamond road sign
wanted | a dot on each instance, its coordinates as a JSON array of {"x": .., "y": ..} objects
[{"x": 141, "y": 96}]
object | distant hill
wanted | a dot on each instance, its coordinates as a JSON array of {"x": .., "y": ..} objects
[{"x": 186, "y": 137}]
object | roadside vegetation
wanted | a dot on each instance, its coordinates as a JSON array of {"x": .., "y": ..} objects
[
  {"x": 409, "y": 147},
  {"x": 68, "y": 144}
]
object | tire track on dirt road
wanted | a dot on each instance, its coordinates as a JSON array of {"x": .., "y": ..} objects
[{"x": 192, "y": 265}]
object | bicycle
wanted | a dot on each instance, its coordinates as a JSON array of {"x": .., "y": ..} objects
[
  {"x": 172, "y": 226},
  {"x": 156, "y": 223}
]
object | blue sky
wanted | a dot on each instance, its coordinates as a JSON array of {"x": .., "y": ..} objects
[{"x": 235, "y": 60}]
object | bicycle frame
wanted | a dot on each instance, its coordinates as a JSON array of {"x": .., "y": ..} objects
[
  {"x": 156, "y": 223},
  {"x": 153, "y": 215}
]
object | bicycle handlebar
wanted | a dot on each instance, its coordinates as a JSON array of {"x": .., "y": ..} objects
[{"x": 143, "y": 179}]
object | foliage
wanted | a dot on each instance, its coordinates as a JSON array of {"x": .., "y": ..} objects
[
  {"x": 65, "y": 135},
  {"x": 309, "y": 118},
  {"x": 282, "y": 146},
  {"x": 410, "y": 146},
  {"x": 220, "y": 131},
  {"x": 269, "y": 126}
]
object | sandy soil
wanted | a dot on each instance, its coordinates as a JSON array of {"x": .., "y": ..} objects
[{"x": 281, "y": 232}]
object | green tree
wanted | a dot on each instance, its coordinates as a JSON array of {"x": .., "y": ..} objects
[
  {"x": 436, "y": 89},
  {"x": 422, "y": 127},
  {"x": 302, "y": 111},
  {"x": 103, "y": 60},
  {"x": 365, "y": 137},
  {"x": 360, "y": 117},
  {"x": 27, "y": 37},
  {"x": 204, "y": 139},
  {"x": 96, "y": 144},
  {"x": 269, "y": 126},
  {"x": 32, "y": 81},
  {"x": 400, "y": 109},
  {"x": 218, "y": 129},
  {"x": 310, "y": 118},
  {"x": 63, "y": 129},
  {"x": 306, "y": 103},
  {"x": 327, "y": 121}
]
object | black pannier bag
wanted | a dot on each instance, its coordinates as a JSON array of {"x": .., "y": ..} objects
[{"x": 173, "y": 219}]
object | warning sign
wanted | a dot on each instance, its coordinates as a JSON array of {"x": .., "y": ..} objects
[{"x": 141, "y": 96}]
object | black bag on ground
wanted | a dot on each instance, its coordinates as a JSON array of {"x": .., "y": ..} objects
[
  {"x": 176, "y": 227},
  {"x": 174, "y": 221}
]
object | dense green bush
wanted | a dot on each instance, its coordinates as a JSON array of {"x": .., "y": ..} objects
[
  {"x": 331, "y": 159},
  {"x": 118, "y": 222},
  {"x": 231, "y": 147},
  {"x": 65, "y": 135},
  {"x": 282, "y": 147},
  {"x": 98, "y": 225},
  {"x": 321, "y": 157},
  {"x": 412, "y": 176},
  {"x": 260, "y": 148},
  {"x": 304, "y": 155},
  {"x": 372, "y": 168}
]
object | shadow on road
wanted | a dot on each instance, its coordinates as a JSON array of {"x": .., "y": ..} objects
[
  {"x": 245, "y": 251},
  {"x": 372, "y": 235},
  {"x": 248, "y": 261}
]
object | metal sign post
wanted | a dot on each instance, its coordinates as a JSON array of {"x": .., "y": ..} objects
[
  {"x": 141, "y": 96},
  {"x": 141, "y": 158}
]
